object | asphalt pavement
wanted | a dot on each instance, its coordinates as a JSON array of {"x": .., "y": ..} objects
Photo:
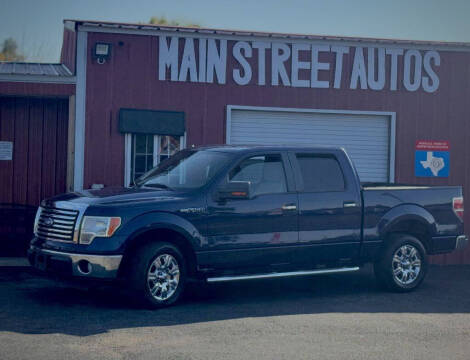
[{"x": 343, "y": 316}]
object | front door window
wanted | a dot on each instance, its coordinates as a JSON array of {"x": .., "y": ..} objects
[{"x": 264, "y": 172}]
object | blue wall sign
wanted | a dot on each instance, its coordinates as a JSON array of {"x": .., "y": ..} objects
[
  {"x": 432, "y": 163},
  {"x": 432, "y": 159}
]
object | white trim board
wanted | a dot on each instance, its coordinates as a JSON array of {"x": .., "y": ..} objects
[
  {"x": 391, "y": 115},
  {"x": 127, "y": 159},
  {"x": 80, "y": 107}
]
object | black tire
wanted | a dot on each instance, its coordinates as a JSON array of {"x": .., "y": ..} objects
[
  {"x": 406, "y": 277},
  {"x": 142, "y": 262}
]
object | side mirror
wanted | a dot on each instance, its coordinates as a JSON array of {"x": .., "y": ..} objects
[{"x": 235, "y": 190}]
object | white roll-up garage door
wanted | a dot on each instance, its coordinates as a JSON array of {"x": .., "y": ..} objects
[{"x": 366, "y": 137}]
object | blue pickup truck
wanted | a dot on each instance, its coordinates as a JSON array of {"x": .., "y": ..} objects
[{"x": 227, "y": 213}]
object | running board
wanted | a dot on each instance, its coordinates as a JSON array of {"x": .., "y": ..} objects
[{"x": 282, "y": 274}]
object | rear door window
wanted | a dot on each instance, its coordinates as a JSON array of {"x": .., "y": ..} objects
[{"x": 320, "y": 173}]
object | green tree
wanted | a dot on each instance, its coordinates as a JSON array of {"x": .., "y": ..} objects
[
  {"x": 162, "y": 20},
  {"x": 10, "y": 52}
]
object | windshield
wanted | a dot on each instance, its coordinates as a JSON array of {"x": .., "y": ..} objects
[{"x": 187, "y": 169}]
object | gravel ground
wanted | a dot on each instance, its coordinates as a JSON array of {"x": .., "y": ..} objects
[{"x": 326, "y": 317}]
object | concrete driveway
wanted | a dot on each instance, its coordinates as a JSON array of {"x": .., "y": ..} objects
[{"x": 328, "y": 317}]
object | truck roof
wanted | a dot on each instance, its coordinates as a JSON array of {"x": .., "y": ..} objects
[{"x": 245, "y": 148}]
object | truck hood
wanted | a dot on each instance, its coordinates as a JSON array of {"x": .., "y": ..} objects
[{"x": 116, "y": 196}]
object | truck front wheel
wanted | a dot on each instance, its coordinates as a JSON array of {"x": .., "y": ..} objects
[
  {"x": 157, "y": 275},
  {"x": 403, "y": 263}
]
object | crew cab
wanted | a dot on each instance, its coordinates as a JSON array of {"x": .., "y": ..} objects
[{"x": 227, "y": 213}]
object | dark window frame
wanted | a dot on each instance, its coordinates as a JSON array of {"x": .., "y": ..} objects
[{"x": 298, "y": 171}]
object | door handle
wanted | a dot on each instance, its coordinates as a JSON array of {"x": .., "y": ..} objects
[
  {"x": 349, "y": 204},
  {"x": 289, "y": 207}
]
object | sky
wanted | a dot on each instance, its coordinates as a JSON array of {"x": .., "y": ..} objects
[{"x": 37, "y": 25}]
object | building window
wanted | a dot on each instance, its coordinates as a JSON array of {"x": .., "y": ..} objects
[
  {"x": 142, "y": 154},
  {"x": 145, "y": 151},
  {"x": 168, "y": 145}
]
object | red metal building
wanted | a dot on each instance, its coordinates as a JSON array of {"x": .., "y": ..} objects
[
  {"x": 144, "y": 91},
  {"x": 34, "y": 132}
]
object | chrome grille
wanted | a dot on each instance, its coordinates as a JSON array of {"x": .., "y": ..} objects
[{"x": 57, "y": 224}]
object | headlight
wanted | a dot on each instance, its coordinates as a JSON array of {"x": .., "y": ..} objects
[
  {"x": 36, "y": 220},
  {"x": 93, "y": 226}
]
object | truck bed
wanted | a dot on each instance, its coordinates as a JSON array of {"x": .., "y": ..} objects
[
  {"x": 397, "y": 186},
  {"x": 427, "y": 211}
]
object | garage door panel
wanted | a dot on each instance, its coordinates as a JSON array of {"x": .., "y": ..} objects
[
  {"x": 307, "y": 117},
  {"x": 321, "y": 123},
  {"x": 305, "y": 139},
  {"x": 372, "y": 136},
  {"x": 365, "y": 137},
  {"x": 305, "y": 126}
]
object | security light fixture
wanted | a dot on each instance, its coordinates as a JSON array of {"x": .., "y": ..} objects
[{"x": 102, "y": 51}]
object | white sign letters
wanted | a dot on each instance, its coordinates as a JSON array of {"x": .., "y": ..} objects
[{"x": 297, "y": 64}]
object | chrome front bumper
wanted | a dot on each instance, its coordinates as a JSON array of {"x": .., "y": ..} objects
[
  {"x": 79, "y": 265},
  {"x": 462, "y": 242}
]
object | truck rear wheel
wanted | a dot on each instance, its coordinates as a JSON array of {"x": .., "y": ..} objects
[
  {"x": 157, "y": 275},
  {"x": 403, "y": 264}
]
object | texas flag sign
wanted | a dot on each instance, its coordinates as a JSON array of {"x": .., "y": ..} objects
[{"x": 432, "y": 158}]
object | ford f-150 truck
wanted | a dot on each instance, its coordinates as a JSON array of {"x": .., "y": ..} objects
[{"x": 226, "y": 213}]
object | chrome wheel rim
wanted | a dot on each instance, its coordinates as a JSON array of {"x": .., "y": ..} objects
[
  {"x": 406, "y": 264},
  {"x": 163, "y": 277}
]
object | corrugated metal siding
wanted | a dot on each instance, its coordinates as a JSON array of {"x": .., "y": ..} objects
[
  {"x": 17, "y": 68},
  {"x": 130, "y": 79},
  {"x": 38, "y": 129},
  {"x": 365, "y": 137}
]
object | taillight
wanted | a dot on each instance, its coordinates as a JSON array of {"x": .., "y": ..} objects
[{"x": 457, "y": 205}]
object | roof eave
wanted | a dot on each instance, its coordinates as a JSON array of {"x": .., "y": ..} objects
[{"x": 105, "y": 26}]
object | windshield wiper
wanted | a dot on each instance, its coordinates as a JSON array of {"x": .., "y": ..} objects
[{"x": 158, "y": 185}]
